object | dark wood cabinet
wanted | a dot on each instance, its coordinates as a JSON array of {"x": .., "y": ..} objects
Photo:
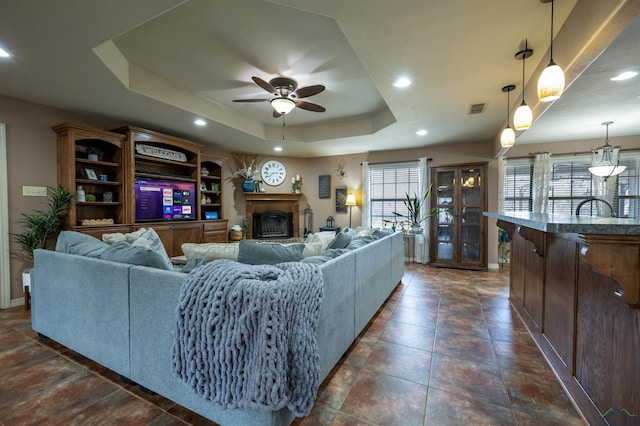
[{"x": 458, "y": 230}]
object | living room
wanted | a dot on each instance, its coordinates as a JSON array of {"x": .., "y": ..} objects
[{"x": 31, "y": 148}]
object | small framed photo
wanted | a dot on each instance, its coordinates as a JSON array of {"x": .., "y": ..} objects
[{"x": 91, "y": 173}]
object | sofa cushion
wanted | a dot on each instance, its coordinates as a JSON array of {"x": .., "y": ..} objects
[
  {"x": 210, "y": 251},
  {"x": 324, "y": 237},
  {"x": 150, "y": 239},
  {"x": 341, "y": 240},
  {"x": 324, "y": 256},
  {"x": 312, "y": 249},
  {"x": 125, "y": 252},
  {"x": 256, "y": 253},
  {"x": 379, "y": 233},
  {"x": 359, "y": 242},
  {"x": 116, "y": 237},
  {"x": 81, "y": 244}
]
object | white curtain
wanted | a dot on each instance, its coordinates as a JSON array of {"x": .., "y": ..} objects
[
  {"x": 366, "y": 205},
  {"x": 541, "y": 177},
  {"x": 502, "y": 168},
  {"x": 422, "y": 240},
  {"x": 601, "y": 188}
]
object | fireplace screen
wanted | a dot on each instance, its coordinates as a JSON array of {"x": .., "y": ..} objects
[{"x": 272, "y": 225}]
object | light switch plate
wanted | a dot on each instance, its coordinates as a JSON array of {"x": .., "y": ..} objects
[{"x": 34, "y": 191}]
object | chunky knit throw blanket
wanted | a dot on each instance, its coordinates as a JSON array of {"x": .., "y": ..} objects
[{"x": 246, "y": 334}]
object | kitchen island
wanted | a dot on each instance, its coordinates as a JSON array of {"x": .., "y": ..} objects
[{"x": 575, "y": 282}]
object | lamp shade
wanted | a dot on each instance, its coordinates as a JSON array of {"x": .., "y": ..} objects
[
  {"x": 350, "y": 201},
  {"x": 508, "y": 137},
  {"x": 523, "y": 117},
  {"x": 606, "y": 166},
  {"x": 606, "y": 170},
  {"x": 283, "y": 105},
  {"x": 551, "y": 83}
]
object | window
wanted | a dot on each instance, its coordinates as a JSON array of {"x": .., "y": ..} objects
[
  {"x": 570, "y": 183},
  {"x": 517, "y": 186},
  {"x": 388, "y": 186}
]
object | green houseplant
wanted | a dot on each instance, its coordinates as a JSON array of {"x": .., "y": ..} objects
[
  {"x": 39, "y": 225},
  {"x": 414, "y": 206}
]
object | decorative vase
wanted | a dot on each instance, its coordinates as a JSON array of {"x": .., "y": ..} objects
[
  {"x": 248, "y": 185},
  {"x": 92, "y": 157}
]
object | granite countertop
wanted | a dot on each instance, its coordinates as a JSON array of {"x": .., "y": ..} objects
[{"x": 556, "y": 223}]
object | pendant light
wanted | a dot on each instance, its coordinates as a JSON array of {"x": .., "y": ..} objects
[
  {"x": 605, "y": 167},
  {"x": 508, "y": 136},
  {"x": 551, "y": 81},
  {"x": 523, "y": 116}
]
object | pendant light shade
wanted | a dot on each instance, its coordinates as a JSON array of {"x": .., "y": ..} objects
[
  {"x": 551, "y": 81},
  {"x": 606, "y": 167},
  {"x": 508, "y": 136},
  {"x": 523, "y": 117}
]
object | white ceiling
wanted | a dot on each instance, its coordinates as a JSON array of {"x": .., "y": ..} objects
[{"x": 162, "y": 63}]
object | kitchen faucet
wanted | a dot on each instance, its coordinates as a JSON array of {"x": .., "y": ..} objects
[{"x": 613, "y": 214}]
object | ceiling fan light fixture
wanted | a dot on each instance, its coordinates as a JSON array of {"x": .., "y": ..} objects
[
  {"x": 551, "y": 81},
  {"x": 283, "y": 105},
  {"x": 606, "y": 168}
]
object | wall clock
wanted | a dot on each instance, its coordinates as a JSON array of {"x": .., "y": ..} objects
[{"x": 273, "y": 173}]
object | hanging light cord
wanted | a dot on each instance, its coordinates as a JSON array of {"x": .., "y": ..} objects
[
  {"x": 551, "y": 48},
  {"x": 283, "y": 124},
  {"x": 524, "y": 58}
]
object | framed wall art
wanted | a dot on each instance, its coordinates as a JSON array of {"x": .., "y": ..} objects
[
  {"x": 341, "y": 197},
  {"x": 324, "y": 186}
]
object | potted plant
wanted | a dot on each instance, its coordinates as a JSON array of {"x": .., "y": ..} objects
[
  {"x": 93, "y": 153},
  {"x": 244, "y": 226},
  {"x": 40, "y": 225},
  {"x": 414, "y": 206},
  {"x": 247, "y": 169}
]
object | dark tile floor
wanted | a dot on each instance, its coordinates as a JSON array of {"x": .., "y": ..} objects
[{"x": 445, "y": 349}]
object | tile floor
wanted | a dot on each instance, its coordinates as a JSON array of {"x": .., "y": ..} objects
[{"x": 445, "y": 349}]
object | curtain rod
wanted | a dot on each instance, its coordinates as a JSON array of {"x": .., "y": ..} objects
[
  {"x": 396, "y": 162},
  {"x": 531, "y": 156}
]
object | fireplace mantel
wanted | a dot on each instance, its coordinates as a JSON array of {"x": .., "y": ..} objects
[{"x": 261, "y": 202}]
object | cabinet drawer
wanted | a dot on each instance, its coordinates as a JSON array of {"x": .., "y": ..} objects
[
  {"x": 215, "y": 225},
  {"x": 215, "y": 237}
]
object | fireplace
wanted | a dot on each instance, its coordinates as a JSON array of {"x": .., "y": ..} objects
[
  {"x": 265, "y": 203},
  {"x": 274, "y": 224}
]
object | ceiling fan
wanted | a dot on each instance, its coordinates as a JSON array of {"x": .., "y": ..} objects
[{"x": 287, "y": 95}]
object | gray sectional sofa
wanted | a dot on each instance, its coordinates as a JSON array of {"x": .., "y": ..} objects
[{"x": 123, "y": 316}]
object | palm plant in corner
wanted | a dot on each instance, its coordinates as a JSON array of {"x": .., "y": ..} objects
[{"x": 40, "y": 225}]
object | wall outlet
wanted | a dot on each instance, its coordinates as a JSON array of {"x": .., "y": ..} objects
[{"x": 34, "y": 191}]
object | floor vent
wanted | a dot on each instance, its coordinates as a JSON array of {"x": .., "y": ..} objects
[{"x": 477, "y": 108}]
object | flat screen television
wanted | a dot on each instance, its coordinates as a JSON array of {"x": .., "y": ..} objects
[{"x": 158, "y": 200}]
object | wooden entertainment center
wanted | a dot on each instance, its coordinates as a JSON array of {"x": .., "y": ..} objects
[{"x": 129, "y": 153}]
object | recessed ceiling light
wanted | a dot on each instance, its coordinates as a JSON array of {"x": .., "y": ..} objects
[
  {"x": 4, "y": 53},
  {"x": 421, "y": 132},
  {"x": 402, "y": 82},
  {"x": 199, "y": 122},
  {"x": 277, "y": 148},
  {"x": 624, "y": 76}
]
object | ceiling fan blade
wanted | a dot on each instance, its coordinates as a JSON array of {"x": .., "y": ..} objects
[
  {"x": 305, "y": 92},
  {"x": 266, "y": 86},
  {"x": 251, "y": 100},
  {"x": 309, "y": 106}
]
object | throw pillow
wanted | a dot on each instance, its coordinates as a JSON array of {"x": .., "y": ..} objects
[
  {"x": 255, "y": 253},
  {"x": 150, "y": 239},
  {"x": 312, "y": 249},
  {"x": 124, "y": 252},
  {"x": 325, "y": 237},
  {"x": 379, "y": 233},
  {"x": 324, "y": 256},
  {"x": 81, "y": 244},
  {"x": 211, "y": 251},
  {"x": 341, "y": 241}
]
